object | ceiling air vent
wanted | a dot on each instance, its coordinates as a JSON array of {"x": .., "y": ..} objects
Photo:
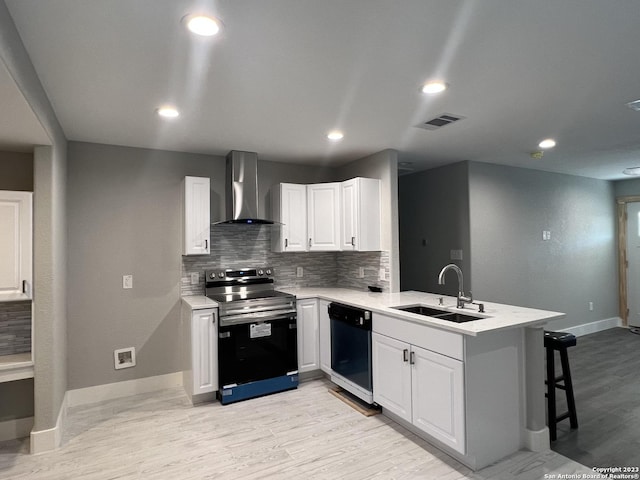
[{"x": 441, "y": 121}]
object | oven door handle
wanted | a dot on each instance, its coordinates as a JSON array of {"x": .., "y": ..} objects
[{"x": 257, "y": 317}]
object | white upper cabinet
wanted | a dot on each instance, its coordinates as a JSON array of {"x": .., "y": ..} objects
[
  {"x": 323, "y": 216},
  {"x": 15, "y": 245},
  {"x": 196, "y": 216},
  {"x": 289, "y": 207},
  {"x": 361, "y": 214}
]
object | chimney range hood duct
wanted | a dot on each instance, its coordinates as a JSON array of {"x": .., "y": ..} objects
[{"x": 242, "y": 189}]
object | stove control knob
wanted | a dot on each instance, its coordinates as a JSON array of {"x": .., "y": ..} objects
[
  {"x": 212, "y": 275},
  {"x": 268, "y": 271},
  {"x": 260, "y": 272},
  {"x": 221, "y": 275}
]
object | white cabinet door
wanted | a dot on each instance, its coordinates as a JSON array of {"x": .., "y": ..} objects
[
  {"x": 361, "y": 214},
  {"x": 308, "y": 341},
  {"x": 289, "y": 207},
  {"x": 391, "y": 375},
  {"x": 204, "y": 351},
  {"x": 325, "y": 336},
  {"x": 323, "y": 216},
  {"x": 438, "y": 397},
  {"x": 15, "y": 244},
  {"x": 196, "y": 216}
]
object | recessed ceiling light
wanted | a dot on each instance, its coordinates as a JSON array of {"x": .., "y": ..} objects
[
  {"x": 203, "y": 25},
  {"x": 632, "y": 171},
  {"x": 547, "y": 143},
  {"x": 168, "y": 112},
  {"x": 434, "y": 87},
  {"x": 335, "y": 135}
]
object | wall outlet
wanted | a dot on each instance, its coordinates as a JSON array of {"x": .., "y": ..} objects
[
  {"x": 124, "y": 358},
  {"x": 546, "y": 235},
  {"x": 299, "y": 272},
  {"x": 361, "y": 272},
  {"x": 127, "y": 281},
  {"x": 591, "y": 306},
  {"x": 382, "y": 275},
  {"x": 195, "y": 278}
]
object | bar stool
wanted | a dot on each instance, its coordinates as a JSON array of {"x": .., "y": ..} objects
[{"x": 559, "y": 341}]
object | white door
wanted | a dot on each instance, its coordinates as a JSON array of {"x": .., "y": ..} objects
[
  {"x": 323, "y": 205},
  {"x": 325, "y": 336},
  {"x": 349, "y": 214},
  {"x": 633, "y": 259},
  {"x": 391, "y": 375},
  {"x": 308, "y": 341},
  {"x": 204, "y": 351},
  {"x": 15, "y": 244},
  {"x": 196, "y": 216},
  {"x": 294, "y": 217},
  {"x": 438, "y": 396}
]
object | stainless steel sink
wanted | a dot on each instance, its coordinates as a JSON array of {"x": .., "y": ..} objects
[{"x": 438, "y": 313}]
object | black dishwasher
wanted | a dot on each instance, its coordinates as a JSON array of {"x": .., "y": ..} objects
[{"x": 351, "y": 349}]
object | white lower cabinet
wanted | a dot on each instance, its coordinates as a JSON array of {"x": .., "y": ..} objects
[
  {"x": 200, "y": 374},
  {"x": 422, "y": 387},
  {"x": 308, "y": 335},
  {"x": 325, "y": 336}
]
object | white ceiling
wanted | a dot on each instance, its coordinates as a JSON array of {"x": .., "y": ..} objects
[{"x": 285, "y": 72}]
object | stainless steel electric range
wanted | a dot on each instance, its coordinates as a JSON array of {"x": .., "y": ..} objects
[{"x": 257, "y": 333}]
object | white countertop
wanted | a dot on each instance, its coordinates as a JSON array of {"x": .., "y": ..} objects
[
  {"x": 497, "y": 316},
  {"x": 198, "y": 302}
]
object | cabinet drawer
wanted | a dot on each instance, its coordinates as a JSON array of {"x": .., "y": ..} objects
[{"x": 439, "y": 341}]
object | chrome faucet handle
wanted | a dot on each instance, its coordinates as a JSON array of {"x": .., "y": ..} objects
[{"x": 441, "y": 301}]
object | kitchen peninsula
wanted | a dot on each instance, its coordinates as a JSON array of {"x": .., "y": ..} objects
[{"x": 474, "y": 389}]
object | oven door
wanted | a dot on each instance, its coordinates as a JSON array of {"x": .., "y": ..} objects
[{"x": 254, "y": 348}]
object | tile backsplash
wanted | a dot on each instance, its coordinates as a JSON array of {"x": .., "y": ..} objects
[
  {"x": 238, "y": 246},
  {"x": 15, "y": 327}
]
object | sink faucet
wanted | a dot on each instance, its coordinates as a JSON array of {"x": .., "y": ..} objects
[{"x": 462, "y": 299}]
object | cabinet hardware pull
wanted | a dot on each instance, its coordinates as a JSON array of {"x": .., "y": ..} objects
[
  {"x": 286, "y": 242},
  {"x": 405, "y": 355},
  {"x": 24, "y": 286},
  {"x": 206, "y": 245},
  {"x": 309, "y": 242},
  {"x": 412, "y": 358},
  {"x": 353, "y": 241}
]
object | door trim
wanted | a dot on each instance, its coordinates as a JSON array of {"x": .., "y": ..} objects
[{"x": 621, "y": 206}]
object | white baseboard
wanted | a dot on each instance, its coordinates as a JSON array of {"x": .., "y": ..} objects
[
  {"x": 51, "y": 438},
  {"x": 537, "y": 440},
  {"x": 110, "y": 391},
  {"x": 18, "y": 428},
  {"x": 593, "y": 327}
]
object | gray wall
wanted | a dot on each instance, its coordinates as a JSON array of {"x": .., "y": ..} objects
[
  {"x": 434, "y": 219},
  {"x": 124, "y": 208},
  {"x": 627, "y": 188},
  {"x": 16, "y": 171},
  {"x": 49, "y": 246},
  {"x": 510, "y": 263}
]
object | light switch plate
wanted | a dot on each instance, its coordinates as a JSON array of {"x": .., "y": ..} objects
[
  {"x": 195, "y": 278},
  {"x": 299, "y": 272},
  {"x": 361, "y": 272},
  {"x": 127, "y": 281}
]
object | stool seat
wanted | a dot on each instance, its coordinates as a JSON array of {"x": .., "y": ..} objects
[{"x": 560, "y": 342}]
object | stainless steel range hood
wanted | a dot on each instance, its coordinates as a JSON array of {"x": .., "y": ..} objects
[{"x": 242, "y": 189}]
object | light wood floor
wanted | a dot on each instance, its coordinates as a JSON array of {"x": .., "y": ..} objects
[
  {"x": 302, "y": 434},
  {"x": 605, "y": 367}
]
